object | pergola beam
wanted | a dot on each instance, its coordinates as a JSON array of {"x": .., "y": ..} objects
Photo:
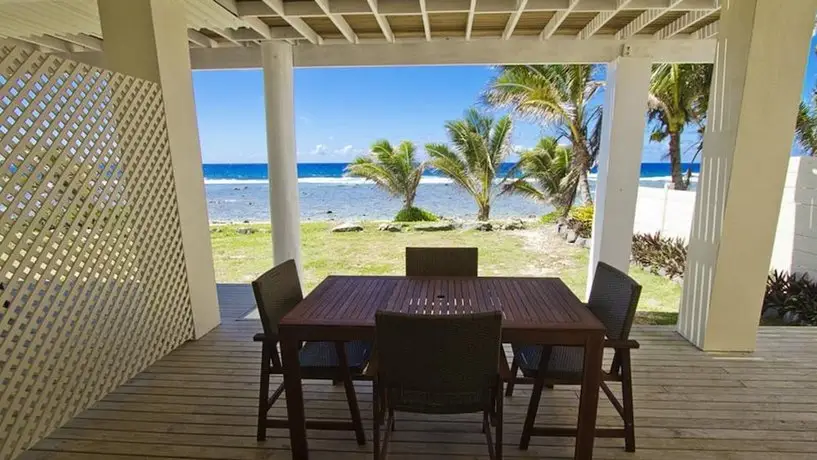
[
  {"x": 469, "y": 25},
  {"x": 200, "y": 39},
  {"x": 85, "y": 41},
  {"x": 557, "y": 20},
  {"x": 338, "y": 21},
  {"x": 644, "y": 19},
  {"x": 381, "y": 21},
  {"x": 707, "y": 31},
  {"x": 513, "y": 19},
  {"x": 687, "y": 20},
  {"x": 426, "y": 21},
  {"x": 297, "y": 23},
  {"x": 601, "y": 19},
  {"x": 51, "y": 43},
  {"x": 228, "y": 34}
]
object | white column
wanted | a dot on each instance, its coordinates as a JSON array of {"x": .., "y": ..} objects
[
  {"x": 276, "y": 57},
  {"x": 619, "y": 162},
  {"x": 148, "y": 39},
  {"x": 761, "y": 55}
]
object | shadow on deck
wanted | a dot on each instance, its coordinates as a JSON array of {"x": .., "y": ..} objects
[{"x": 200, "y": 402}]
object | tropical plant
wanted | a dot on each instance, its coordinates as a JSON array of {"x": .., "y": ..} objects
[
  {"x": 806, "y": 126},
  {"x": 544, "y": 173},
  {"x": 679, "y": 95},
  {"x": 580, "y": 220},
  {"x": 792, "y": 293},
  {"x": 394, "y": 170},
  {"x": 660, "y": 254},
  {"x": 558, "y": 96},
  {"x": 479, "y": 144}
]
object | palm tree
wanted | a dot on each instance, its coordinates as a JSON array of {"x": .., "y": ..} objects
[
  {"x": 479, "y": 144},
  {"x": 806, "y": 126},
  {"x": 558, "y": 95},
  {"x": 678, "y": 96},
  {"x": 544, "y": 173},
  {"x": 394, "y": 170}
]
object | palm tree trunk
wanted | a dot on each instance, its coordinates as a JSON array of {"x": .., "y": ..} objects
[
  {"x": 582, "y": 162},
  {"x": 584, "y": 189},
  {"x": 484, "y": 212},
  {"x": 675, "y": 160}
]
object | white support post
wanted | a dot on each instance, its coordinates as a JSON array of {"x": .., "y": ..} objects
[
  {"x": 276, "y": 58},
  {"x": 148, "y": 39},
  {"x": 762, "y": 48},
  {"x": 622, "y": 138}
]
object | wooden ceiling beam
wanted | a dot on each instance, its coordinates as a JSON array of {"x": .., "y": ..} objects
[
  {"x": 86, "y": 41},
  {"x": 426, "y": 21},
  {"x": 644, "y": 19},
  {"x": 557, "y": 20},
  {"x": 601, "y": 19},
  {"x": 297, "y": 23},
  {"x": 513, "y": 19},
  {"x": 381, "y": 21},
  {"x": 687, "y": 20},
  {"x": 469, "y": 25},
  {"x": 194, "y": 36},
  {"x": 338, "y": 21}
]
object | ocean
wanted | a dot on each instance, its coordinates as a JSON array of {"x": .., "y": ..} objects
[{"x": 239, "y": 192}]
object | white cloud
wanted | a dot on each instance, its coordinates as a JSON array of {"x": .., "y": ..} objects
[
  {"x": 519, "y": 148},
  {"x": 564, "y": 142},
  {"x": 345, "y": 150},
  {"x": 320, "y": 149}
]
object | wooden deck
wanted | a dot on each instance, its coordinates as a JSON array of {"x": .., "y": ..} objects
[{"x": 200, "y": 402}]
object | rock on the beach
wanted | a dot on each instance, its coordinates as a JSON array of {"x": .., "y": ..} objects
[
  {"x": 347, "y": 227},
  {"x": 571, "y": 236},
  {"x": 482, "y": 226},
  {"x": 516, "y": 224},
  {"x": 246, "y": 231},
  {"x": 437, "y": 227},
  {"x": 390, "y": 227}
]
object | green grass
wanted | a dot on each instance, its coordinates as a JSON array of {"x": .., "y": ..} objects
[{"x": 239, "y": 258}]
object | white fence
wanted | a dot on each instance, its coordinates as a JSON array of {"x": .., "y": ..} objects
[
  {"x": 93, "y": 286},
  {"x": 795, "y": 247}
]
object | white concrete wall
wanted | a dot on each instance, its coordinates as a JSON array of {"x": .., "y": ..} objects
[{"x": 795, "y": 246}]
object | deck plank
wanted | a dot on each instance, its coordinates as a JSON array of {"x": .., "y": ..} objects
[{"x": 199, "y": 403}]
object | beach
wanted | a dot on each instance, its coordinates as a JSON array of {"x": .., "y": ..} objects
[{"x": 240, "y": 192}]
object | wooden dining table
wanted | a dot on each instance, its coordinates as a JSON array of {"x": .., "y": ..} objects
[{"x": 535, "y": 311}]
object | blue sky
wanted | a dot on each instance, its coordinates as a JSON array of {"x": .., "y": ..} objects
[{"x": 339, "y": 112}]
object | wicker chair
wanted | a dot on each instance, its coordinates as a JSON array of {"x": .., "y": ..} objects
[
  {"x": 420, "y": 369},
  {"x": 613, "y": 299},
  {"x": 442, "y": 261},
  {"x": 276, "y": 293}
]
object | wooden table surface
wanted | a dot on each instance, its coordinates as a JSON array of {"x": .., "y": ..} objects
[{"x": 535, "y": 311}]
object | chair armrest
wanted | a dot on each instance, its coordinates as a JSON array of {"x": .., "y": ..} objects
[
  {"x": 260, "y": 337},
  {"x": 631, "y": 344}
]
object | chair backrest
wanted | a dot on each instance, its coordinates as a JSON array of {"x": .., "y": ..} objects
[
  {"x": 614, "y": 299},
  {"x": 441, "y": 364},
  {"x": 442, "y": 261},
  {"x": 276, "y": 293}
]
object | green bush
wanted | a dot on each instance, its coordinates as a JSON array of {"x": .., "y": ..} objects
[
  {"x": 415, "y": 215},
  {"x": 659, "y": 254},
  {"x": 580, "y": 220},
  {"x": 792, "y": 292},
  {"x": 551, "y": 217}
]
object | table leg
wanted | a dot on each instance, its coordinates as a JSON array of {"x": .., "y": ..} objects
[
  {"x": 588, "y": 404},
  {"x": 295, "y": 399}
]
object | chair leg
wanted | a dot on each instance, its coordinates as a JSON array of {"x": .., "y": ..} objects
[
  {"x": 499, "y": 421},
  {"x": 512, "y": 381},
  {"x": 351, "y": 396},
  {"x": 627, "y": 396},
  {"x": 263, "y": 392},
  {"x": 376, "y": 415},
  {"x": 533, "y": 407}
]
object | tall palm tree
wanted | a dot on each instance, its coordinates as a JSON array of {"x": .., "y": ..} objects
[
  {"x": 559, "y": 96},
  {"x": 806, "y": 126},
  {"x": 479, "y": 144},
  {"x": 544, "y": 173},
  {"x": 678, "y": 96},
  {"x": 394, "y": 170}
]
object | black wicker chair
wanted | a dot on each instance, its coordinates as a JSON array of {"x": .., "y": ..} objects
[
  {"x": 276, "y": 293},
  {"x": 613, "y": 299},
  {"x": 420, "y": 368},
  {"x": 442, "y": 261}
]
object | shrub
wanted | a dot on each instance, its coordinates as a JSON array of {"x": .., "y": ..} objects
[
  {"x": 659, "y": 254},
  {"x": 792, "y": 292},
  {"x": 551, "y": 217},
  {"x": 580, "y": 220},
  {"x": 414, "y": 214}
]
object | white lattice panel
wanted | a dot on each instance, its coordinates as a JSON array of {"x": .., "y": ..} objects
[{"x": 92, "y": 280}]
